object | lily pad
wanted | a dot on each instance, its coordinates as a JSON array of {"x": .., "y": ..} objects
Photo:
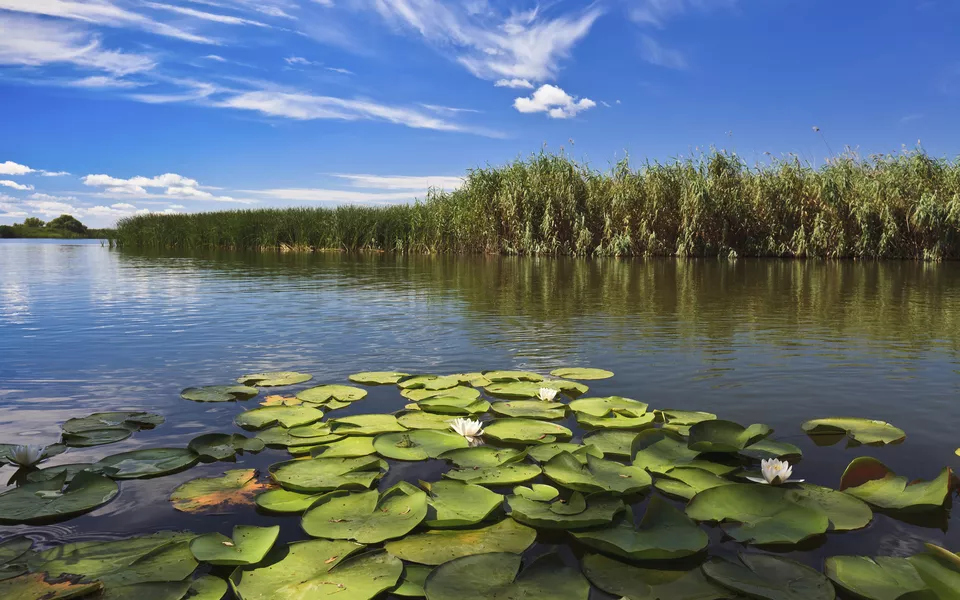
[
  {"x": 544, "y": 452},
  {"x": 582, "y": 374},
  {"x": 659, "y": 449},
  {"x": 146, "y": 463},
  {"x": 232, "y": 489},
  {"x": 287, "y": 416},
  {"x": 49, "y": 473},
  {"x": 11, "y": 550},
  {"x": 417, "y": 419},
  {"x": 96, "y": 437},
  {"x": 316, "y": 567},
  {"x": 526, "y": 431},
  {"x": 285, "y": 501},
  {"x": 248, "y": 546},
  {"x": 663, "y": 533},
  {"x": 522, "y": 390},
  {"x": 763, "y": 576},
  {"x": 98, "y": 560},
  {"x": 601, "y": 407},
  {"x": 636, "y": 583},
  {"x": 759, "y": 514},
  {"x": 219, "y": 393},
  {"x": 367, "y": 517},
  {"x": 687, "y": 482},
  {"x": 482, "y": 456},
  {"x": 725, "y": 436},
  {"x": 458, "y": 504},
  {"x": 531, "y": 409},
  {"x": 495, "y": 575},
  {"x": 133, "y": 421},
  {"x": 439, "y": 546},
  {"x": 349, "y": 447},
  {"x": 611, "y": 441},
  {"x": 377, "y": 377},
  {"x": 451, "y": 405},
  {"x": 576, "y": 513},
  {"x": 864, "y": 431},
  {"x": 366, "y": 425},
  {"x": 460, "y": 391},
  {"x": 281, "y": 436},
  {"x": 313, "y": 430},
  {"x": 597, "y": 475},
  {"x": 327, "y": 474},
  {"x": 420, "y": 444},
  {"x": 274, "y": 378},
  {"x": 680, "y": 421},
  {"x": 429, "y": 382},
  {"x": 43, "y": 587},
  {"x": 538, "y": 492},
  {"x": 940, "y": 570},
  {"x": 765, "y": 449},
  {"x": 222, "y": 446},
  {"x": 55, "y": 499},
  {"x": 872, "y": 481},
  {"x": 880, "y": 578},
  {"x": 411, "y": 585},
  {"x": 845, "y": 512},
  {"x": 616, "y": 420},
  {"x": 508, "y": 474},
  {"x": 508, "y": 376},
  {"x": 207, "y": 587},
  {"x": 323, "y": 394}
]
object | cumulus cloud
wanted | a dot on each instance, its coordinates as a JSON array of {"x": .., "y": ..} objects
[
  {"x": 15, "y": 185},
  {"x": 11, "y": 168},
  {"x": 168, "y": 185},
  {"x": 514, "y": 83},
  {"x": 554, "y": 101}
]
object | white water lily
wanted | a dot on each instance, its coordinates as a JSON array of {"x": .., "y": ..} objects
[
  {"x": 468, "y": 428},
  {"x": 775, "y": 472},
  {"x": 28, "y": 456},
  {"x": 547, "y": 394}
]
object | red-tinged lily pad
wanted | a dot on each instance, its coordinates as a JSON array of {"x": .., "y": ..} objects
[
  {"x": 235, "y": 488},
  {"x": 38, "y": 586}
]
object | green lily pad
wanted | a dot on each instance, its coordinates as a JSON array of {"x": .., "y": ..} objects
[
  {"x": 219, "y": 393},
  {"x": 49, "y": 473},
  {"x": 759, "y": 514},
  {"x": 11, "y": 550},
  {"x": 323, "y": 394},
  {"x": 317, "y": 568},
  {"x": 765, "y": 449},
  {"x": 248, "y": 546},
  {"x": 663, "y": 533},
  {"x": 683, "y": 417},
  {"x": 287, "y": 416},
  {"x": 222, "y": 446},
  {"x": 151, "y": 590},
  {"x": 285, "y": 501},
  {"x": 234, "y": 488},
  {"x": 349, "y": 447},
  {"x": 764, "y": 576},
  {"x": 687, "y": 482},
  {"x": 659, "y": 450},
  {"x": 420, "y": 444},
  {"x": 601, "y": 407},
  {"x": 327, "y": 474},
  {"x": 96, "y": 437},
  {"x": 439, "y": 546},
  {"x": 133, "y": 421},
  {"x": 508, "y": 376},
  {"x": 41, "y": 586},
  {"x": 725, "y": 436},
  {"x": 940, "y": 570},
  {"x": 483, "y": 456},
  {"x": 274, "y": 378},
  {"x": 597, "y": 475},
  {"x": 313, "y": 430},
  {"x": 576, "y": 513},
  {"x": 55, "y": 499},
  {"x": 474, "y": 379},
  {"x": 507, "y": 474},
  {"x": 612, "y": 441},
  {"x": 636, "y": 583},
  {"x": 451, "y": 405},
  {"x": 281, "y": 436},
  {"x": 864, "y": 431},
  {"x": 616, "y": 420},
  {"x": 377, "y": 377},
  {"x": 98, "y": 560},
  {"x": 411, "y": 584},
  {"x": 845, "y": 512},
  {"x": 417, "y": 419},
  {"x": 367, "y": 517},
  {"x": 544, "y": 452},
  {"x": 530, "y": 409},
  {"x": 429, "y": 382},
  {"x": 526, "y": 431},
  {"x": 458, "y": 504},
  {"x": 207, "y": 587},
  {"x": 149, "y": 462},
  {"x": 495, "y": 575},
  {"x": 523, "y": 390},
  {"x": 880, "y": 578},
  {"x": 872, "y": 481},
  {"x": 460, "y": 391},
  {"x": 366, "y": 425},
  {"x": 538, "y": 492},
  {"x": 582, "y": 373}
]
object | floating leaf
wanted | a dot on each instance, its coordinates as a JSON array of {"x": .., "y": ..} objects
[
  {"x": 526, "y": 431},
  {"x": 576, "y": 513},
  {"x": 687, "y": 482},
  {"x": 439, "y": 546},
  {"x": 582, "y": 374},
  {"x": 522, "y": 390},
  {"x": 96, "y": 437},
  {"x": 420, "y": 444},
  {"x": 219, "y": 393},
  {"x": 39, "y": 586},
  {"x": 278, "y": 400},
  {"x": 725, "y": 436},
  {"x": 285, "y": 501},
  {"x": 222, "y": 446},
  {"x": 765, "y": 449},
  {"x": 495, "y": 575},
  {"x": 940, "y": 570},
  {"x": 417, "y": 419},
  {"x": 597, "y": 475},
  {"x": 872, "y": 481},
  {"x": 635, "y": 583},
  {"x": 458, "y": 504},
  {"x": 377, "y": 377},
  {"x": 614, "y": 442},
  {"x": 845, "y": 512},
  {"x": 350, "y": 447},
  {"x": 508, "y": 376},
  {"x": 274, "y": 378},
  {"x": 880, "y": 578},
  {"x": 207, "y": 587},
  {"x": 232, "y": 489},
  {"x": 429, "y": 382},
  {"x": 616, "y": 420},
  {"x": 367, "y": 517},
  {"x": 419, "y": 395},
  {"x": 482, "y": 456},
  {"x": 133, "y": 421},
  {"x": 452, "y": 405},
  {"x": 769, "y": 578},
  {"x": 287, "y": 416},
  {"x": 281, "y": 436},
  {"x": 538, "y": 492},
  {"x": 683, "y": 417},
  {"x": 864, "y": 431},
  {"x": 544, "y": 452},
  {"x": 323, "y": 394},
  {"x": 366, "y": 425},
  {"x": 601, "y": 407},
  {"x": 101, "y": 559},
  {"x": 49, "y": 473},
  {"x": 507, "y": 474},
  {"x": 656, "y": 449},
  {"x": 149, "y": 462},
  {"x": 411, "y": 585},
  {"x": 317, "y": 568},
  {"x": 327, "y": 474},
  {"x": 11, "y": 550},
  {"x": 248, "y": 546},
  {"x": 531, "y": 409},
  {"x": 664, "y": 533}
]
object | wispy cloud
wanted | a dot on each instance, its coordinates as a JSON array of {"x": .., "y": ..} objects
[
  {"x": 336, "y": 196},
  {"x": 656, "y": 54},
  {"x": 205, "y": 16},
  {"x": 514, "y": 83},
  {"x": 401, "y": 182},
  {"x": 103, "y": 82},
  {"x": 339, "y": 70},
  {"x": 554, "y": 101},
  {"x": 911, "y": 118},
  {"x": 15, "y": 185},
  {"x": 451, "y": 110},
  {"x": 658, "y": 12}
]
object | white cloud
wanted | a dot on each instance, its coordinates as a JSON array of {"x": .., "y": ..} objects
[
  {"x": 100, "y": 82},
  {"x": 656, "y": 54},
  {"x": 402, "y": 182},
  {"x": 437, "y": 108},
  {"x": 205, "y": 16},
  {"x": 298, "y": 60},
  {"x": 335, "y": 196},
  {"x": 339, "y": 70},
  {"x": 12, "y": 168},
  {"x": 195, "y": 91},
  {"x": 123, "y": 206},
  {"x": 514, "y": 83},
  {"x": 34, "y": 42},
  {"x": 171, "y": 184},
  {"x": 554, "y": 101},
  {"x": 658, "y": 12},
  {"x": 15, "y": 185},
  {"x": 160, "y": 181},
  {"x": 215, "y": 58},
  {"x": 54, "y": 173},
  {"x": 177, "y": 207}
]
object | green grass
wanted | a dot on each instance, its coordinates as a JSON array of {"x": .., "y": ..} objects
[{"x": 894, "y": 206}]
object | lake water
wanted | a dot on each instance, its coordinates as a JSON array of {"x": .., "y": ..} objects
[{"x": 84, "y": 328}]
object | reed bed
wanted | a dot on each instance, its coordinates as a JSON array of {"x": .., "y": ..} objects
[{"x": 905, "y": 205}]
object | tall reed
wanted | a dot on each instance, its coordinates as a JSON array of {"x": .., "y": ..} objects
[{"x": 905, "y": 205}]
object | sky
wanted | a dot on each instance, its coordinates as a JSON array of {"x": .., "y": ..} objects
[{"x": 117, "y": 107}]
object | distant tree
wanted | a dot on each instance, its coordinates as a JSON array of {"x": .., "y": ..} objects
[
  {"x": 7, "y": 231},
  {"x": 67, "y": 223},
  {"x": 33, "y": 222}
]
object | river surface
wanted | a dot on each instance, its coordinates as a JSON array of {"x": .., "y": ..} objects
[{"x": 84, "y": 328}]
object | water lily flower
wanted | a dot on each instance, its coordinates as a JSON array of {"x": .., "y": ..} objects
[
  {"x": 28, "y": 456},
  {"x": 775, "y": 472},
  {"x": 547, "y": 394},
  {"x": 468, "y": 428}
]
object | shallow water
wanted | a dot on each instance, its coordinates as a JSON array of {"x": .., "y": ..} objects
[{"x": 84, "y": 328}]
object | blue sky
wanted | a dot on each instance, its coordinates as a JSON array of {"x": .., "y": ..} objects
[{"x": 117, "y": 106}]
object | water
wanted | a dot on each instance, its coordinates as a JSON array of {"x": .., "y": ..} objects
[{"x": 84, "y": 328}]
